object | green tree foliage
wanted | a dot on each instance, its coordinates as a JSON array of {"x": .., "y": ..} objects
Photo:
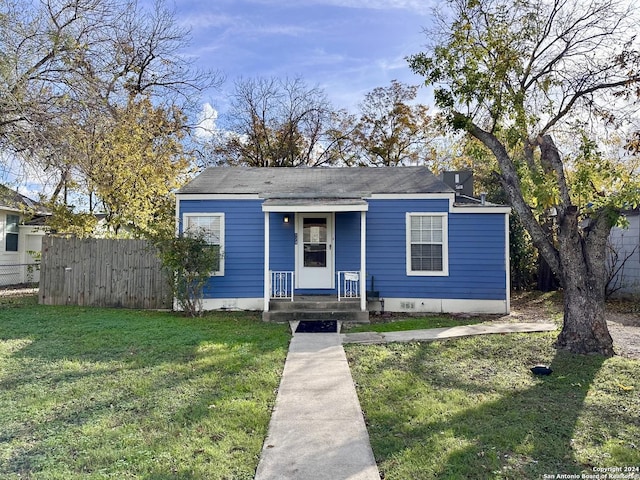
[
  {"x": 73, "y": 74},
  {"x": 518, "y": 75},
  {"x": 131, "y": 163},
  {"x": 393, "y": 130},
  {"x": 467, "y": 153},
  {"x": 65, "y": 221}
]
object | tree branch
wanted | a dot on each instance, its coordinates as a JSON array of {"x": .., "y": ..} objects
[{"x": 511, "y": 184}]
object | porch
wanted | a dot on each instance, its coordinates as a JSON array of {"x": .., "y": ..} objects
[
  {"x": 345, "y": 305},
  {"x": 315, "y": 259}
]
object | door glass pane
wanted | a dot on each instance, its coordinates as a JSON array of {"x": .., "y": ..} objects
[
  {"x": 314, "y": 237},
  {"x": 315, "y": 255}
]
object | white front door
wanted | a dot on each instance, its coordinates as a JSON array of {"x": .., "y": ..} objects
[{"x": 314, "y": 250}]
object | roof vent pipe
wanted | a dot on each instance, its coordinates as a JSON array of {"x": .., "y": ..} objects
[{"x": 483, "y": 198}]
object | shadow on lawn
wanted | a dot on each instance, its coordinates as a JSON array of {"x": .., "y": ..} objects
[
  {"x": 120, "y": 391},
  {"x": 525, "y": 433}
]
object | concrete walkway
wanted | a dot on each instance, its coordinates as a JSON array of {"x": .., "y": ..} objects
[
  {"x": 450, "y": 332},
  {"x": 317, "y": 430}
]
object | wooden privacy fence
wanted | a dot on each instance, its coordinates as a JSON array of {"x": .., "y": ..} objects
[{"x": 102, "y": 273}]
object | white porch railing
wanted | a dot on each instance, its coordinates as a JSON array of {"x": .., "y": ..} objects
[
  {"x": 348, "y": 284},
  {"x": 282, "y": 284}
]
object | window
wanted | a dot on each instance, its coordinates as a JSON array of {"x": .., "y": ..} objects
[
  {"x": 212, "y": 224},
  {"x": 427, "y": 249},
  {"x": 11, "y": 233}
]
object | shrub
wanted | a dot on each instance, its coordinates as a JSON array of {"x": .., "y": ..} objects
[{"x": 189, "y": 261}]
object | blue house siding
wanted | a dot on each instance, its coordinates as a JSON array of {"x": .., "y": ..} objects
[
  {"x": 244, "y": 246},
  {"x": 282, "y": 242},
  {"x": 347, "y": 245},
  {"x": 476, "y": 253},
  {"x": 476, "y": 244}
]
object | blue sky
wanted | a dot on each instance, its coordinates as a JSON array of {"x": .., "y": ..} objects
[{"x": 347, "y": 47}]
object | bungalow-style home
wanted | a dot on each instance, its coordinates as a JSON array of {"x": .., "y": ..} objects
[
  {"x": 20, "y": 239},
  {"x": 625, "y": 256},
  {"x": 392, "y": 238}
]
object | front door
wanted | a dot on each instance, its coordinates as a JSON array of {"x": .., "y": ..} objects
[{"x": 314, "y": 250}]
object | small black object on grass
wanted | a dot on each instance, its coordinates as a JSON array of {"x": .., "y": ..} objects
[
  {"x": 541, "y": 370},
  {"x": 328, "y": 326}
]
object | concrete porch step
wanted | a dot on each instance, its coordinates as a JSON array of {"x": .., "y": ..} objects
[
  {"x": 315, "y": 303},
  {"x": 315, "y": 308},
  {"x": 343, "y": 315}
]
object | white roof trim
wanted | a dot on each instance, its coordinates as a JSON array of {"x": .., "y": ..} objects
[
  {"x": 314, "y": 205},
  {"x": 481, "y": 209},
  {"x": 218, "y": 196},
  {"x": 10, "y": 209},
  {"x": 411, "y": 196}
]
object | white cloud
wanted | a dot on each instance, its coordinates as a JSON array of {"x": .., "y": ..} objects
[
  {"x": 419, "y": 6},
  {"x": 390, "y": 64},
  {"x": 200, "y": 20},
  {"x": 286, "y": 30},
  {"x": 207, "y": 118}
]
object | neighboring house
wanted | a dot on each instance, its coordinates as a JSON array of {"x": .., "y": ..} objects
[
  {"x": 321, "y": 231},
  {"x": 625, "y": 245},
  {"x": 20, "y": 234}
]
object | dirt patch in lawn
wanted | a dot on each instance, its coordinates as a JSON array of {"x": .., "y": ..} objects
[{"x": 623, "y": 317}]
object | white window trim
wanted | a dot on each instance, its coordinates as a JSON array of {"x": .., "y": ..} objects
[
  {"x": 220, "y": 272},
  {"x": 445, "y": 245}
]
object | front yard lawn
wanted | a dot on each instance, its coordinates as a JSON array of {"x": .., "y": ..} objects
[
  {"x": 104, "y": 393},
  {"x": 470, "y": 408}
]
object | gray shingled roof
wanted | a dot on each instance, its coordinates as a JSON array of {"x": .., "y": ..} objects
[
  {"x": 11, "y": 199},
  {"x": 315, "y": 182}
]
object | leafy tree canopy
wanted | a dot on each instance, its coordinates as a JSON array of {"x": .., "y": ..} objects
[
  {"x": 537, "y": 83},
  {"x": 73, "y": 76}
]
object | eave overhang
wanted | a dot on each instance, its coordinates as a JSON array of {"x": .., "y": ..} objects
[{"x": 292, "y": 205}]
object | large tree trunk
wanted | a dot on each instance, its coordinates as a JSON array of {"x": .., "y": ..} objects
[
  {"x": 578, "y": 260},
  {"x": 546, "y": 280},
  {"x": 582, "y": 258},
  {"x": 584, "y": 329}
]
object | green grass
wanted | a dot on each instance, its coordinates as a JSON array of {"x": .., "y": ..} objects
[
  {"x": 470, "y": 408},
  {"x": 105, "y": 393},
  {"x": 415, "y": 323}
]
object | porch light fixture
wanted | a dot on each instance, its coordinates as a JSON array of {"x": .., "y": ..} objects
[{"x": 285, "y": 219}]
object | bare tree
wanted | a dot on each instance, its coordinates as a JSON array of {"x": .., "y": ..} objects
[
  {"x": 617, "y": 260},
  {"x": 277, "y": 123}
]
